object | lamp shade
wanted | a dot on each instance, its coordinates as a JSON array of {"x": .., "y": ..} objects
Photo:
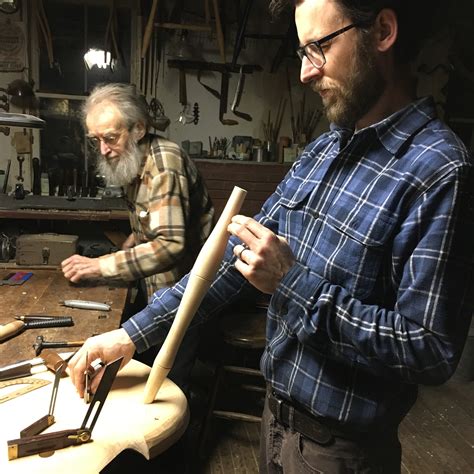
[{"x": 21, "y": 120}]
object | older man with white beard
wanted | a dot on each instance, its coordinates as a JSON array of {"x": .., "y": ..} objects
[{"x": 170, "y": 211}]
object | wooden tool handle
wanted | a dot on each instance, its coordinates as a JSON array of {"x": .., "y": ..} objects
[
  {"x": 149, "y": 28},
  {"x": 11, "y": 329},
  {"x": 52, "y": 359},
  {"x": 200, "y": 279}
]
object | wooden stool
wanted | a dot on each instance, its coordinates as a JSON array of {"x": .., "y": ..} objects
[{"x": 244, "y": 334}]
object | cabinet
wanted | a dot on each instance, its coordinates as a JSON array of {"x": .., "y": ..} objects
[{"x": 259, "y": 179}]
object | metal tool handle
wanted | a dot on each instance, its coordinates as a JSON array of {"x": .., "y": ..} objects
[
  {"x": 83, "y": 304},
  {"x": 21, "y": 447}
]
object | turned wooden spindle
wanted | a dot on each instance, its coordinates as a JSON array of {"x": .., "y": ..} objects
[{"x": 200, "y": 278}]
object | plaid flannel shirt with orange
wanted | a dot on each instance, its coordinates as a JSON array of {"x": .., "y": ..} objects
[{"x": 170, "y": 216}]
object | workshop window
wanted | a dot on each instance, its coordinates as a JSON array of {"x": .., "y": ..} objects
[{"x": 67, "y": 30}]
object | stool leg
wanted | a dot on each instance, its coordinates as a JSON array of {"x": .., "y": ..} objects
[{"x": 206, "y": 426}]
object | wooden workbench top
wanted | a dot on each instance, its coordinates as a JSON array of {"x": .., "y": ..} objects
[{"x": 41, "y": 294}]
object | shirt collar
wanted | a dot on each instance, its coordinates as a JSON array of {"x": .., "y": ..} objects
[{"x": 393, "y": 131}]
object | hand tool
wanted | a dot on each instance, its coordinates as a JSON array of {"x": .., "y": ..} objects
[
  {"x": 238, "y": 96},
  {"x": 15, "y": 327},
  {"x": 83, "y": 304},
  {"x": 36, "y": 177},
  {"x": 214, "y": 92},
  {"x": 49, "y": 360},
  {"x": 45, "y": 317},
  {"x": 223, "y": 100},
  {"x": 20, "y": 159},
  {"x": 45, "y": 421},
  {"x": 7, "y": 174},
  {"x": 90, "y": 372},
  {"x": 46, "y": 442},
  {"x": 28, "y": 384},
  {"x": 41, "y": 344}
]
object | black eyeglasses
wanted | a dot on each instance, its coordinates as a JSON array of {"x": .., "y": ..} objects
[{"x": 313, "y": 50}]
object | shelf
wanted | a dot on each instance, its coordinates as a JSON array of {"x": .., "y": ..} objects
[{"x": 60, "y": 208}]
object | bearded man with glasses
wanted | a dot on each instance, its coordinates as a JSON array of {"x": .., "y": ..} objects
[
  {"x": 170, "y": 210},
  {"x": 366, "y": 248}
]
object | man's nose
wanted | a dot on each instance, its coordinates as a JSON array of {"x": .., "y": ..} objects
[
  {"x": 104, "y": 148},
  {"x": 308, "y": 72}
]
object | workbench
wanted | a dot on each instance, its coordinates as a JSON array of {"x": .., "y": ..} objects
[
  {"x": 126, "y": 422},
  {"x": 41, "y": 294}
]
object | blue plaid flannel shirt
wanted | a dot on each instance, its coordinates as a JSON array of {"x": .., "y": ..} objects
[{"x": 381, "y": 295}]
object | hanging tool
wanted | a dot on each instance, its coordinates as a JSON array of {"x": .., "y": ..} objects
[
  {"x": 20, "y": 159},
  {"x": 7, "y": 174},
  {"x": 184, "y": 117},
  {"x": 16, "y": 327},
  {"x": 223, "y": 100},
  {"x": 41, "y": 344},
  {"x": 149, "y": 28},
  {"x": 209, "y": 89},
  {"x": 21, "y": 447},
  {"x": 83, "y": 304},
  {"x": 238, "y": 96},
  {"x": 110, "y": 40},
  {"x": 36, "y": 177},
  {"x": 43, "y": 27},
  {"x": 47, "y": 420}
]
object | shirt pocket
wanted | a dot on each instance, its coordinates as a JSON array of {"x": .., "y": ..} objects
[
  {"x": 143, "y": 220},
  {"x": 353, "y": 245},
  {"x": 298, "y": 219}
]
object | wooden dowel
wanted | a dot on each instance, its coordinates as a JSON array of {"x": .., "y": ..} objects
[{"x": 200, "y": 279}]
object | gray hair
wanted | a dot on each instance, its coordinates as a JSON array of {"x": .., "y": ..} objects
[{"x": 132, "y": 107}]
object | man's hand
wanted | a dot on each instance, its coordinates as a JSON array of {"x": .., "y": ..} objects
[
  {"x": 265, "y": 258},
  {"x": 107, "y": 347},
  {"x": 77, "y": 268},
  {"x": 129, "y": 242}
]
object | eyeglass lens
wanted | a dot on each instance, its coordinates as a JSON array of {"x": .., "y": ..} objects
[{"x": 109, "y": 140}]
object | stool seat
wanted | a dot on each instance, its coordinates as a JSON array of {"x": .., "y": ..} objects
[{"x": 244, "y": 329}]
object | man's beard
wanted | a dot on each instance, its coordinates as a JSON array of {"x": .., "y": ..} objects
[
  {"x": 348, "y": 102},
  {"x": 122, "y": 170}
]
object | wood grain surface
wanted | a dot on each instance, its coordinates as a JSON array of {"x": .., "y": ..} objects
[
  {"x": 41, "y": 294},
  {"x": 125, "y": 422}
]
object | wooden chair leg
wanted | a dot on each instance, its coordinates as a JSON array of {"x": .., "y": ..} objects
[{"x": 206, "y": 425}]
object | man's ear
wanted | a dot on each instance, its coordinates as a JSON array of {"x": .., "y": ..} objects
[
  {"x": 386, "y": 29},
  {"x": 139, "y": 131}
]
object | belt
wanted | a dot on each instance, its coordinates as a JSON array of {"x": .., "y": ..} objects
[{"x": 319, "y": 430}]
